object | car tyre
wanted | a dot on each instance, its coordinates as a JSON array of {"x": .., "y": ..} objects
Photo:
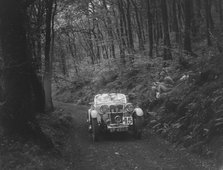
[
  {"x": 95, "y": 130},
  {"x": 138, "y": 125}
]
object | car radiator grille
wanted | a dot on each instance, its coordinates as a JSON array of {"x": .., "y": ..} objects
[{"x": 116, "y": 118}]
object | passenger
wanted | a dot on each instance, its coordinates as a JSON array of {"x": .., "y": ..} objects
[{"x": 165, "y": 83}]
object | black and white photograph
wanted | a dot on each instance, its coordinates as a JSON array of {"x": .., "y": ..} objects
[{"x": 111, "y": 84}]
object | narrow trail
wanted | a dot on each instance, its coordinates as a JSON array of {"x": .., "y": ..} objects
[{"x": 121, "y": 151}]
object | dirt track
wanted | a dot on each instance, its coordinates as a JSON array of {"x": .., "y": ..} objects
[{"x": 122, "y": 151}]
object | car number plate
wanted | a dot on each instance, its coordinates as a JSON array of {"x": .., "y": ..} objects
[
  {"x": 127, "y": 120},
  {"x": 121, "y": 129}
]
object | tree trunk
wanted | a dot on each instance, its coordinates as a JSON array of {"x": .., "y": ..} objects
[
  {"x": 21, "y": 85},
  {"x": 194, "y": 25},
  {"x": 48, "y": 57},
  {"x": 72, "y": 52},
  {"x": 150, "y": 25},
  {"x": 167, "y": 45},
  {"x": 63, "y": 59},
  {"x": 121, "y": 34},
  {"x": 130, "y": 37},
  {"x": 208, "y": 21},
  {"x": 124, "y": 20},
  {"x": 95, "y": 42},
  {"x": 109, "y": 30},
  {"x": 38, "y": 40},
  {"x": 91, "y": 47},
  {"x": 175, "y": 22},
  {"x": 139, "y": 28},
  {"x": 156, "y": 29},
  {"x": 220, "y": 10},
  {"x": 210, "y": 15},
  {"x": 187, "y": 31}
]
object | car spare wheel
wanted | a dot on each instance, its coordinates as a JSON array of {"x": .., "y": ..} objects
[
  {"x": 138, "y": 125},
  {"x": 95, "y": 129}
]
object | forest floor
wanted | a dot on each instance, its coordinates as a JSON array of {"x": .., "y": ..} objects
[
  {"x": 74, "y": 149},
  {"x": 122, "y": 151}
]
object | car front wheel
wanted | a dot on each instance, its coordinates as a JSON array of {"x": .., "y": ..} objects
[{"x": 95, "y": 129}]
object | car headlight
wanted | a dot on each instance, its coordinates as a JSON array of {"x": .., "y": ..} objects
[
  {"x": 138, "y": 111},
  {"x": 94, "y": 113},
  {"x": 129, "y": 107},
  {"x": 103, "y": 109}
]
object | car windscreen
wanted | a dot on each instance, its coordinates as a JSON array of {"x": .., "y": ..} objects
[{"x": 110, "y": 98}]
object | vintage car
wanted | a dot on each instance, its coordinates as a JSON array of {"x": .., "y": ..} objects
[{"x": 111, "y": 112}]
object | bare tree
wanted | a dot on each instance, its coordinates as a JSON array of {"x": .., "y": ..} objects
[
  {"x": 48, "y": 57},
  {"x": 187, "y": 30},
  {"x": 167, "y": 45},
  {"x": 150, "y": 25}
]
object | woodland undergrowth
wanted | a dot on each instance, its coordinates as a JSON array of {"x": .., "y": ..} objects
[
  {"x": 27, "y": 153},
  {"x": 191, "y": 114}
]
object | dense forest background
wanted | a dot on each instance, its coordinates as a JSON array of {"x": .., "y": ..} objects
[{"x": 71, "y": 50}]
